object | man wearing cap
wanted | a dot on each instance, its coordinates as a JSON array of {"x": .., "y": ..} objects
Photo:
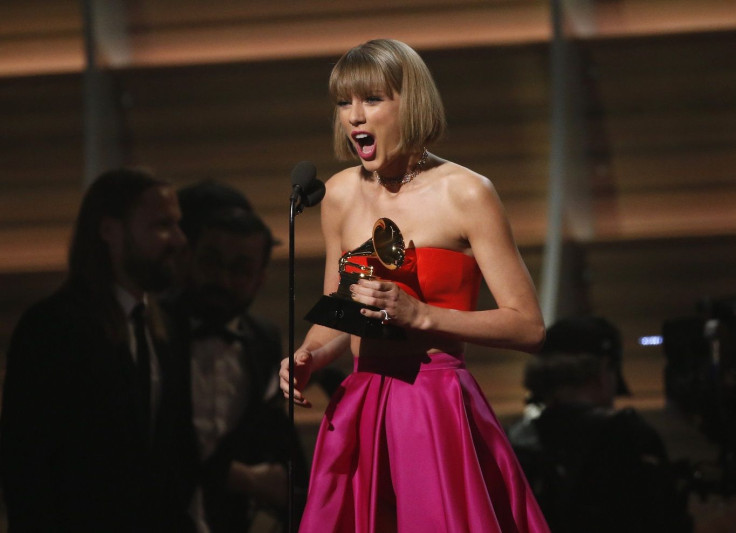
[
  {"x": 239, "y": 424},
  {"x": 592, "y": 467}
]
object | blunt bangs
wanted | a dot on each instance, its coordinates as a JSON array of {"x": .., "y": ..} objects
[{"x": 361, "y": 73}]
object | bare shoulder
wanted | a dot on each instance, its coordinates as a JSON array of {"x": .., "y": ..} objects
[
  {"x": 466, "y": 188},
  {"x": 343, "y": 183},
  {"x": 341, "y": 186}
]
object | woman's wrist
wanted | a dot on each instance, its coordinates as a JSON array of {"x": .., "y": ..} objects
[{"x": 423, "y": 318}]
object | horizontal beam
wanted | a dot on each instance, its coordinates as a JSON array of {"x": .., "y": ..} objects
[{"x": 226, "y": 31}]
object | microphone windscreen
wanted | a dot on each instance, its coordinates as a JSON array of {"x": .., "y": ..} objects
[
  {"x": 303, "y": 174},
  {"x": 315, "y": 194}
]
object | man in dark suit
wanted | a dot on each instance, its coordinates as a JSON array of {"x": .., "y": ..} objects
[
  {"x": 92, "y": 409},
  {"x": 242, "y": 432},
  {"x": 593, "y": 467}
]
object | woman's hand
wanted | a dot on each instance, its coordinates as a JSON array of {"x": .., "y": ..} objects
[
  {"x": 395, "y": 306},
  {"x": 302, "y": 373}
]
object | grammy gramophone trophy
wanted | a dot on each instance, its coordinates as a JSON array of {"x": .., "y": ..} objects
[{"x": 339, "y": 310}]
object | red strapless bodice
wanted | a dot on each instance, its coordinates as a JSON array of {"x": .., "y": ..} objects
[{"x": 437, "y": 276}]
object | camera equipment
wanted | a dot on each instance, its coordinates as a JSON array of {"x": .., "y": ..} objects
[{"x": 700, "y": 379}]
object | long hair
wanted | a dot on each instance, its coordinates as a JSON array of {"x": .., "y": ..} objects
[{"x": 90, "y": 275}]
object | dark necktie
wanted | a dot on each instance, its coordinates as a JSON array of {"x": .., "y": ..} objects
[{"x": 143, "y": 365}]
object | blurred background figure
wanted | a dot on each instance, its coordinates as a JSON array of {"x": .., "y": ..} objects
[
  {"x": 91, "y": 420},
  {"x": 592, "y": 467},
  {"x": 700, "y": 385},
  {"x": 239, "y": 423}
]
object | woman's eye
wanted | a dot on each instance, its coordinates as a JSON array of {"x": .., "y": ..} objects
[
  {"x": 373, "y": 99},
  {"x": 342, "y": 103}
]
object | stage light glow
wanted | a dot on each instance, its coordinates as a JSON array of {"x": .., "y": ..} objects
[{"x": 650, "y": 340}]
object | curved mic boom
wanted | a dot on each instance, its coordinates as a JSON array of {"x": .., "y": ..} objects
[{"x": 315, "y": 194}]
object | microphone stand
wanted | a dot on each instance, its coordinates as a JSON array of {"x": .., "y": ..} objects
[
  {"x": 292, "y": 445},
  {"x": 307, "y": 191}
]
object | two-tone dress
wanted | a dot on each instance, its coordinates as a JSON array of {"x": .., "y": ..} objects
[{"x": 409, "y": 443}]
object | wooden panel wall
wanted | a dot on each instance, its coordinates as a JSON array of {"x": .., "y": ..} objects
[
  {"x": 663, "y": 117},
  {"x": 41, "y": 171},
  {"x": 663, "y": 108}
]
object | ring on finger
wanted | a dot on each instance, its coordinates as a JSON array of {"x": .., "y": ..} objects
[{"x": 386, "y": 318}]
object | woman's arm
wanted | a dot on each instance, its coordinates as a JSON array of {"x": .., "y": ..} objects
[
  {"x": 473, "y": 211},
  {"x": 322, "y": 345}
]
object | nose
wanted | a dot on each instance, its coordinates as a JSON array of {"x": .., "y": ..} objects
[{"x": 357, "y": 116}]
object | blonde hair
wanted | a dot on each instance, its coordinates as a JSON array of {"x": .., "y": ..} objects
[{"x": 395, "y": 68}]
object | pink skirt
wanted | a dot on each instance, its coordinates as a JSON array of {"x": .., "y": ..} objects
[{"x": 411, "y": 444}]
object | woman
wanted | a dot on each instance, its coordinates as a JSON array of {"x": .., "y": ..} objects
[{"x": 408, "y": 442}]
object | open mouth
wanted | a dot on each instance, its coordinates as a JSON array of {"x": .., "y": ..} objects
[{"x": 365, "y": 144}]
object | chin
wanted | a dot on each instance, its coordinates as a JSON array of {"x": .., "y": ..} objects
[{"x": 369, "y": 164}]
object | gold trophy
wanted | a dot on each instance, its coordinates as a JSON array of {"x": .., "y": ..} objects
[{"x": 339, "y": 310}]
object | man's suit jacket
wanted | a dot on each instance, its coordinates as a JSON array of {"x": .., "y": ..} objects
[
  {"x": 263, "y": 433},
  {"x": 72, "y": 454}
]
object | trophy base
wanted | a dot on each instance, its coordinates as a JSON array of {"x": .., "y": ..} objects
[{"x": 344, "y": 315}]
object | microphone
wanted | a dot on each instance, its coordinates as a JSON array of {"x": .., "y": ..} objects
[{"x": 307, "y": 190}]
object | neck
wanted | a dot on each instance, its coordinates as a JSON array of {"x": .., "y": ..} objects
[{"x": 409, "y": 175}]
